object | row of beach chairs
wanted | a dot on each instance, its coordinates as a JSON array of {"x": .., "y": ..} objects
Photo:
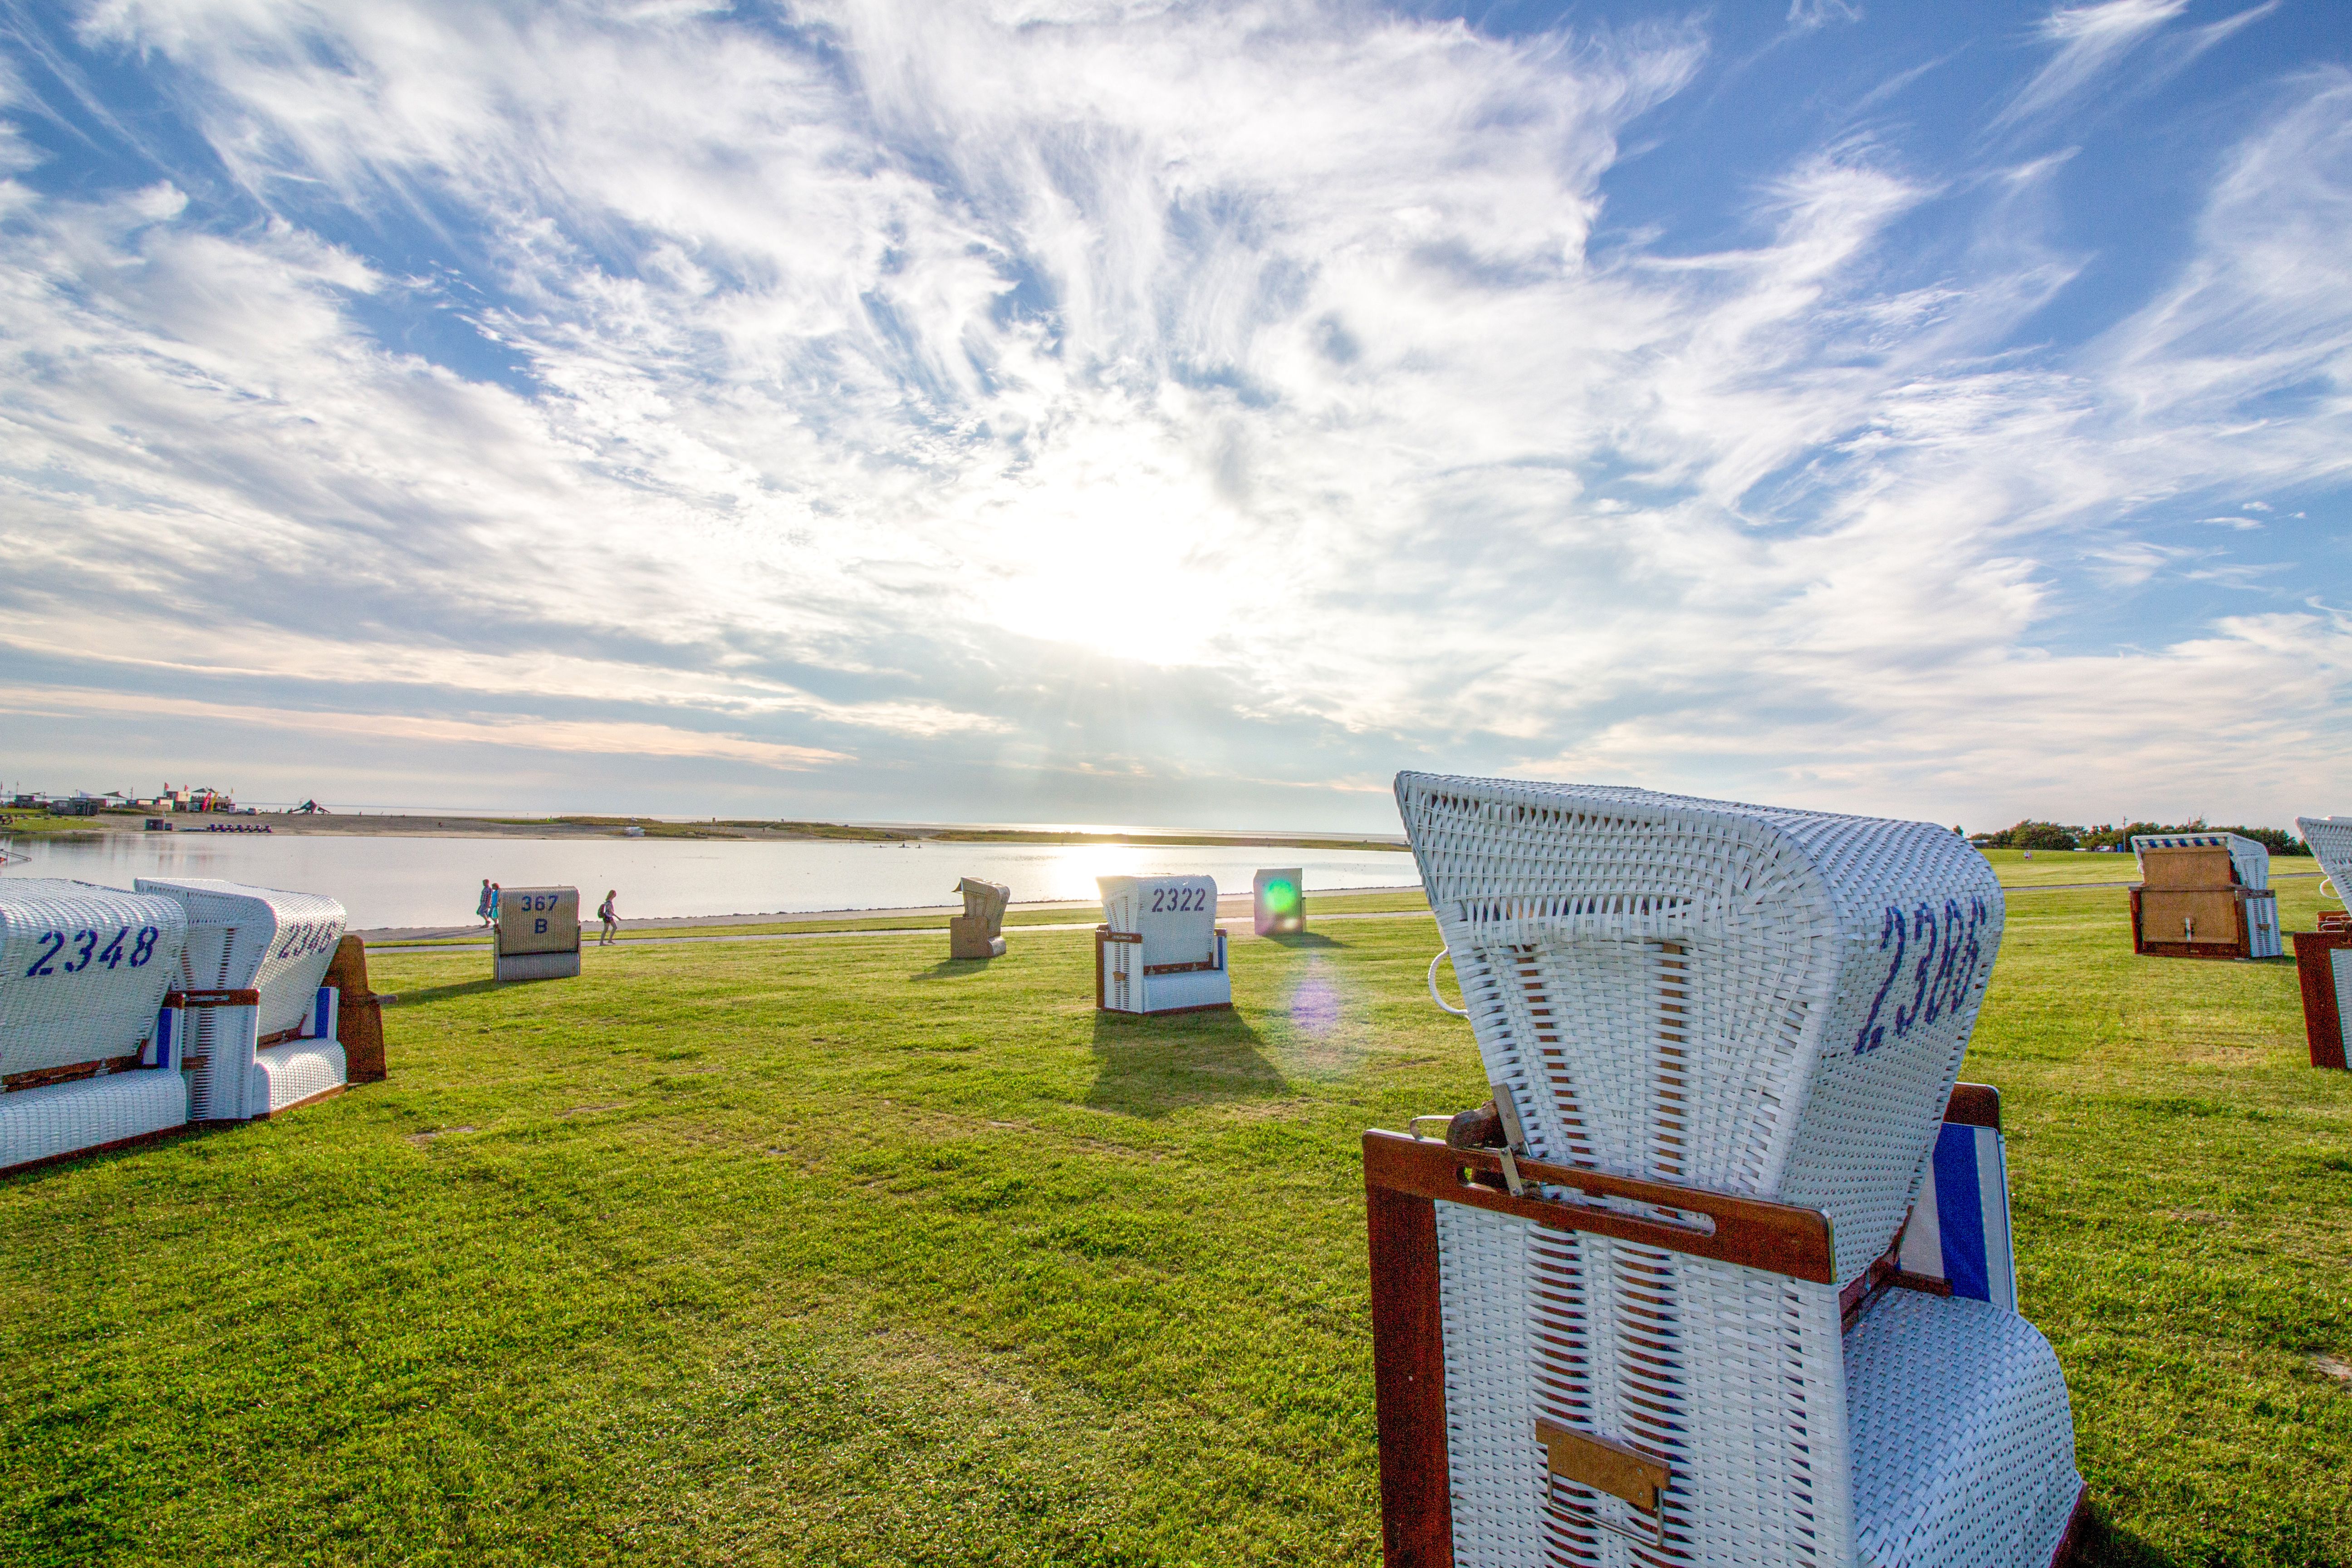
[{"x": 127, "y": 1016}]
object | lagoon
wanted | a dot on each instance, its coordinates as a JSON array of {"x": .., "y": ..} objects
[{"x": 416, "y": 881}]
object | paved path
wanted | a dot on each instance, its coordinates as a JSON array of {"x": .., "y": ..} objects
[{"x": 588, "y": 940}]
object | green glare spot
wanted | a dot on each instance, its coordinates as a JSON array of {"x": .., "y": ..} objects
[{"x": 1281, "y": 898}]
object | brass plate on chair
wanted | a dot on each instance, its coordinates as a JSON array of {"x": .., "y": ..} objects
[{"x": 1604, "y": 1465}]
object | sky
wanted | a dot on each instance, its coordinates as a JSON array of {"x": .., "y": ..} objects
[{"x": 1191, "y": 414}]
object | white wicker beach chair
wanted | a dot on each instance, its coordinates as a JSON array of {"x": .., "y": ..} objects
[
  {"x": 262, "y": 1039},
  {"x": 2330, "y": 838},
  {"x": 2322, "y": 959},
  {"x": 1659, "y": 1329},
  {"x": 83, "y": 973},
  {"x": 538, "y": 935},
  {"x": 1278, "y": 902},
  {"x": 1160, "y": 949},
  {"x": 2245, "y": 905}
]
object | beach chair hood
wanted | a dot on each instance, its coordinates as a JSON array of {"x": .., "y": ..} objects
[{"x": 1758, "y": 1001}]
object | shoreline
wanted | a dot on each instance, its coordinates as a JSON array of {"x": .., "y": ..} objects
[{"x": 1230, "y": 906}]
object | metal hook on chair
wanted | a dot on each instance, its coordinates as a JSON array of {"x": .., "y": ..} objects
[{"x": 1443, "y": 954}]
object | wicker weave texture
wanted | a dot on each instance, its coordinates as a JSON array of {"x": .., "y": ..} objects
[
  {"x": 289, "y": 1074},
  {"x": 1735, "y": 1377},
  {"x": 2330, "y": 838},
  {"x": 1754, "y": 1000},
  {"x": 1485, "y": 1293},
  {"x": 2250, "y": 857},
  {"x": 83, "y": 970},
  {"x": 59, "y": 1118},
  {"x": 1176, "y": 916},
  {"x": 262, "y": 939},
  {"x": 1963, "y": 1443},
  {"x": 221, "y": 1045}
]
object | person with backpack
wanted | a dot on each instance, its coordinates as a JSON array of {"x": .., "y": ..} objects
[
  {"x": 484, "y": 904},
  {"x": 612, "y": 921}
]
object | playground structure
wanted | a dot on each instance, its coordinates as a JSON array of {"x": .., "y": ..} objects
[
  {"x": 1676, "y": 1299},
  {"x": 1160, "y": 949}
]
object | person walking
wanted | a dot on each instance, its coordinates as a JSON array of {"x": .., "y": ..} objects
[
  {"x": 482, "y": 905},
  {"x": 612, "y": 921},
  {"x": 495, "y": 891}
]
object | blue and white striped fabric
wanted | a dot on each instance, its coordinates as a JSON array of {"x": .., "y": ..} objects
[{"x": 1960, "y": 1231}]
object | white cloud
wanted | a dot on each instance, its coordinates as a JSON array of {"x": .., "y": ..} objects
[{"x": 1227, "y": 391}]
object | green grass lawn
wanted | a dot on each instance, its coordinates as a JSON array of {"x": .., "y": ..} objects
[{"x": 837, "y": 1253}]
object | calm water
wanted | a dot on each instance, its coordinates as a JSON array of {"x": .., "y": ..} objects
[{"x": 433, "y": 881}]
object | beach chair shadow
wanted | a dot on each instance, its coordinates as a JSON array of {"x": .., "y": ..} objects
[
  {"x": 949, "y": 968},
  {"x": 2107, "y": 1545},
  {"x": 1304, "y": 940},
  {"x": 442, "y": 993},
  {"x": 1148, "y": 1065}
]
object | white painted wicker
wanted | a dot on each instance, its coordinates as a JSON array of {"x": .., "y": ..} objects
[
  {"x": 2250, "y": 857},
  {"x": 59, "y": 1118},
  {"x": 83, "y": 970},
  {"x": 2330, "y": 838},
  {"x": 1757, "y": 1000},
  {"x": 1952, "y": 1434},
  {"x": 1763, "y": 1001},
  {"x": 292, "y": 1073},
  {"x": 1176, "y": 919},
  {"x": 246, "y": 937}
]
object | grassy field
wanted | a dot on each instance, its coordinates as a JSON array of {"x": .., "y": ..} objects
[{"x": 837, "y": 1253}]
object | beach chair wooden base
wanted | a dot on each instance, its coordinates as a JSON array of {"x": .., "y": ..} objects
[
  {"x": 1406, "y": 1179},
  {"x": 2234, "y": 916},
  {"x": 1157, "y": 991},
  {"x": 970, "y": 937},
  {"x": 2323, "y": 964},
  {"x": 359, "y": 1025}
]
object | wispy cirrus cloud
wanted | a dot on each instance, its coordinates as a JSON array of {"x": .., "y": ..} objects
[{"x": 1134, "y": 409}]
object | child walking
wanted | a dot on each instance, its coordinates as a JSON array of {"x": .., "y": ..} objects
[{"x": 612, "y": 921}]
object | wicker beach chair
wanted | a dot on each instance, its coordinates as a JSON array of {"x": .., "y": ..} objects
[
  {"x": 2323, "y": 958},
  {"x": 261, "y": 1038},
  {"x": 1160, "y": 949},
  {"x": 1278, "y": 902},
  {"x": 84, "y": 971},
  {"x": 2203, "y": 895},
  {"x": 979, "y": 931},
  {"x": 537, "y": 936},
  {"x": 2330, "y": 838},
  {"x": 1669, "y": 1321}
]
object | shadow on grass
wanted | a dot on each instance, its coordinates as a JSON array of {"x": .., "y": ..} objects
[
  {"x": 1304, "y": 939},
  {"x": 441, "y": 993},
  {"x": 1150, "y": 1066},
  {"x": 133, "y": 1149},
  {"x": 2102, "y": 1544},
  {"x": 949, "y": 968}
]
